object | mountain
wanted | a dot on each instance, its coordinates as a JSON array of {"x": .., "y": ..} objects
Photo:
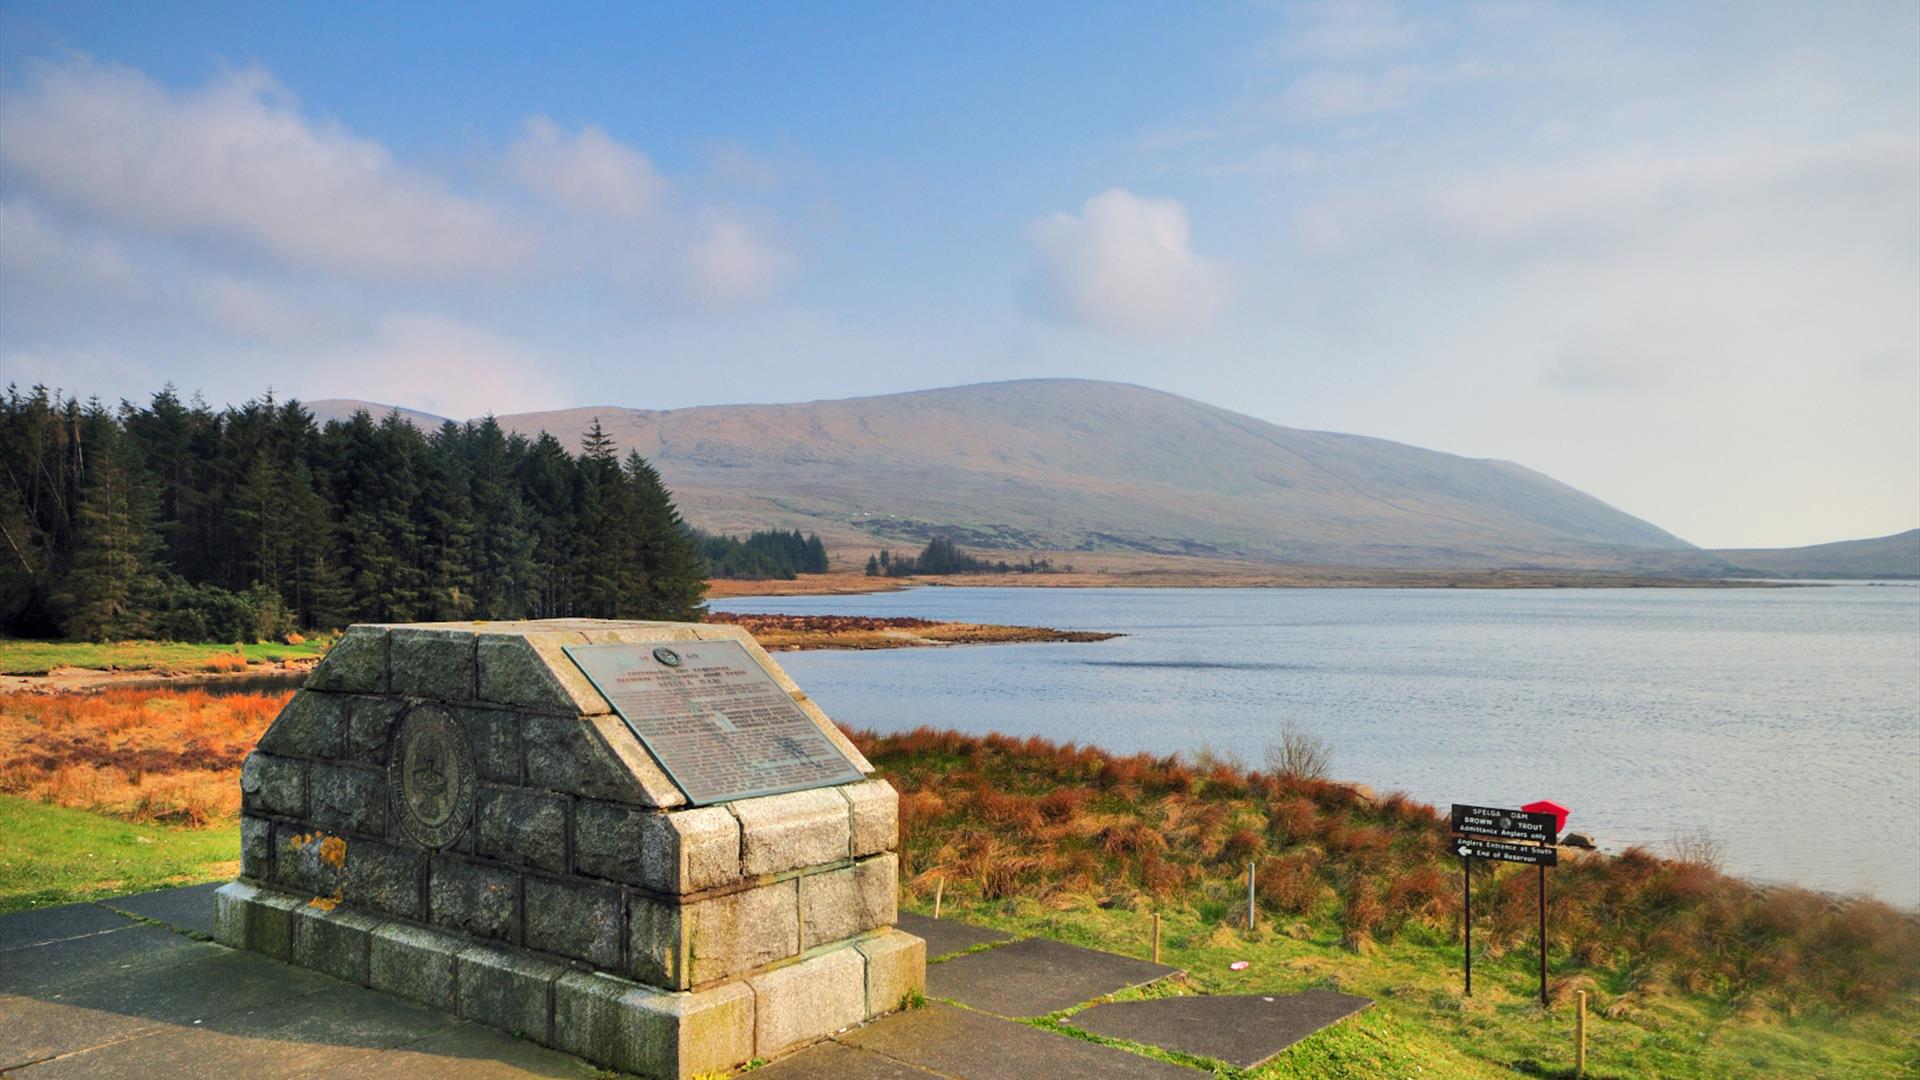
[
  {"x": 1066, "y": 465},
  {"x": 343, "y": 409},
  {"x": 1896, "y": 556}
]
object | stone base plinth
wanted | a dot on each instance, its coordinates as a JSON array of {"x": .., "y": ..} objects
[{"x": 608, "y": 1020}]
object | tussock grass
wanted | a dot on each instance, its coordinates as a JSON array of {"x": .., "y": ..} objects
[
  {"x": 169, "y": 756},
  {"x": 1000, "y": 817}
]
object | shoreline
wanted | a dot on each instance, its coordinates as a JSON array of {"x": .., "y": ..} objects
[
  {"x": 854, "y": 583},
  {"x": 775, "y": 633}
]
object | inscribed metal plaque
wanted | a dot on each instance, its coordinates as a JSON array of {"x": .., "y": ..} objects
[
  {"x": 714, "y": 719},
  {"x": 1503, "y": 824},
  {"x": 431, "y": 775},
  {"x": 1470, "y": 847}
]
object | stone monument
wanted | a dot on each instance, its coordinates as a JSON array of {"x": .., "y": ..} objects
[{"x": 638, "y": 842}]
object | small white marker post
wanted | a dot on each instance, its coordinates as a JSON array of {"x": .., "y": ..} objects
[
  {"x": 939, "y": 886},
  {"x": 1249, "y": 897},
  {"x": 1156, "y": 937}
]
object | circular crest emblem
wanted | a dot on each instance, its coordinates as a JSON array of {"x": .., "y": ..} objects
[
  {"x": 667, "y": 656},
  {"x": 431, "y": 776}
]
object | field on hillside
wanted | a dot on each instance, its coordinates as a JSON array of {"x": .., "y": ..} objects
[
  {"x": 29, "y": 657},
  {"x": 1692, "y": 974}
]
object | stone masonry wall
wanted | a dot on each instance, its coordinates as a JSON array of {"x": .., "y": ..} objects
[{"x": 571, "y": 850}]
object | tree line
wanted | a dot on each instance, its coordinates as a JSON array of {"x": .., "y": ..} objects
[
  {"x": 942, "y": 556},
  {"x": 172, "y": 520},
  {"x": 762, "y": 556}
]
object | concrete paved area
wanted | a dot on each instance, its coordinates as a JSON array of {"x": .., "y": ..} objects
[
  {"x": 85, "y": 991},
  {"x": 944, "y": 937},
  {"x": 123, "y": 988},
  {"x": 945, "y": 1041},
  {"x": 1036, "y": 976},
  {"x": 1239, "y": 1029}
]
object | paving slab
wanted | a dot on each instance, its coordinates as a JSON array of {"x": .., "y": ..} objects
[
  {"x": 337, "y": 1026},
  {"x": 1242, "y": 1030},
  {"x": 41, "y": 969},
  {"x": 837, "y": 1061},
  {"x": 945, "y": 936},
  {"x": 1037, "y": 976},
  {"x": 974, "y": 1046},
  {"x": 188, "y": 908},
  {"x": 24, "y": 928},
  {"x": 467, "y": 1051}
]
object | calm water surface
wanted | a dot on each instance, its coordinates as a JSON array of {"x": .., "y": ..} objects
[{"x": 1785, "y": 722}]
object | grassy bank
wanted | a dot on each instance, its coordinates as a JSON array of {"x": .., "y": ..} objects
[
  {"x": 55, "y": 855},
  {"x": 1691, "y": 973},
  {"x": 21, "y": 657}
]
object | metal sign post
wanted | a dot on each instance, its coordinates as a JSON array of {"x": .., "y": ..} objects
[
  {"x": 1466, "y": 890},
  {"x": 1528, "y": 837}
]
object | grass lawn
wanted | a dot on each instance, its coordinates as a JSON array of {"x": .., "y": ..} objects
[
  {"x": 52, "y": 855},
  {"x": 20, "y": 657},
  {"x": 1420, "y": 1026}
]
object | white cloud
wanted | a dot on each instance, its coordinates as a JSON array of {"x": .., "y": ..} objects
[
  {"x": 255, "y": 313},
  {"x": 235, "y": 160},
  {"x": 30, "y": 245},
  {"x": 442, "y": 366},
  {"x": 1635, "y": 201},
  {"x": 587, "y": 172},
  {"x": 728, "y": 264},
  {"x": 1125, "y": 264}
]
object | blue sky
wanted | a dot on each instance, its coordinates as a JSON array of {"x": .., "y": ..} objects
[{"x": 1669, "y": 254}]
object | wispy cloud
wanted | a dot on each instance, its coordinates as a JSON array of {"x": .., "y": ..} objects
[
  {"x": 237, "y": 161},
  {"x": 1125, "y": 264},
  {"x": 587, "y": 172}
]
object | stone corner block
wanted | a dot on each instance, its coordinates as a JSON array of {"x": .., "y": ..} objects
[
  {"x": 875, "y": 810},
  {"x": 637, "y": 1029},
  {"x": 273, "y": 785},
  {"x": 810, "y": 1000},
  {"x": 509, "y": 990},
  {"x": 841, "y": 903},
  {"x": 257, "y": 919},
  {"x": 690, "y": 850},
  {"x": 231, "y": 904},
  {"x": 312, "y": 724},
  {"x": 896, "y": 967},
  {"x": 798, "y": 829},
  {"x": 436, "y": 664},
  {"x": 333, "y": 942},
  {"x": 414, "y": 963},
  {"x": 533, "y": 671},
  {"x": 356, "y": 664}
]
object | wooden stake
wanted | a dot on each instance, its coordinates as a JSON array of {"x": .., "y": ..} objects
[
  {"x": 939, "y": 886},
  {"x": 1580, "y": 1034},
  {"x": 1156, "y": 937}
]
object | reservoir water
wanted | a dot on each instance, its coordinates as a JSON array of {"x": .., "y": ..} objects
[{"x": 1783, "y": 722}]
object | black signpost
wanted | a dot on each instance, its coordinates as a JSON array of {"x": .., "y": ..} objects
[{"x": 1515, "y": 836}]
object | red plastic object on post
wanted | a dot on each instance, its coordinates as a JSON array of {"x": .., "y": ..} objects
[{"x": 1546, "y": 806}]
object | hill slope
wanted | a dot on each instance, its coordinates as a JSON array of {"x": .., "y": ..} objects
[
  {"x": 1064, "y": 465},
  {"x": 1896, "y": 556}
]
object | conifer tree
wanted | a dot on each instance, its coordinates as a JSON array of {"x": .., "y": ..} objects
[
  {"x": 110, "y": 582},
  {"x": 676, "y": 581}
]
